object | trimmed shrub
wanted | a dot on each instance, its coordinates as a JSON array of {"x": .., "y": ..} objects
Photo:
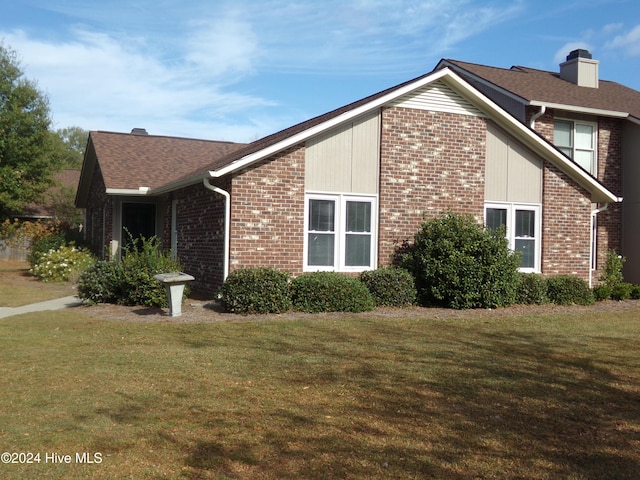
[
  {"x": 130, "y": 281},
  {"x": 63, "y": 264},
  {"x": 330, "y": 292},
  {"x": 101, "y": 283},
  {"x": 602, "y": 292},
  {"x": 622, "y": 291},
  {"x": 457, "y": 263},
  {"x": 389, "y": 286},
  {"x": 532, "y": 289},
  {"x": 256, "y": 290},
  {"x": 635, "y": 292},
  {"x": 569, "y": 290}
]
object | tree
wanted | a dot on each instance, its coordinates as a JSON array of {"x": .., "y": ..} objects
[
  {"x": 73, "y": 142},
  {"x": 28, "y": 157}
]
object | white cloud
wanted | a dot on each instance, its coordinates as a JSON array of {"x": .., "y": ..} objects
[{"x": 629, "y": 42}]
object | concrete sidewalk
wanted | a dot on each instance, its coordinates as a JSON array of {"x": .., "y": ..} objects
[{"x": 55, "y": 304}]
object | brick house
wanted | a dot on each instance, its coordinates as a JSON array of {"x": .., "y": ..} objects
[
  {"x": 343, "y": 190},
  {"x": 594, "y": 122}
]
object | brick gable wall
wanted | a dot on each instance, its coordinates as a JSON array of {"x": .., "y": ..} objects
[
  {"x": 429, "y": 162},
  {"x": 609, "y": 222},
  {"x": 267, "y": 213},
  {"x": 99, "y": 216}
]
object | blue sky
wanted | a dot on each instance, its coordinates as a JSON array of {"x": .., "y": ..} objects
[{"x": 239, "y": 70}]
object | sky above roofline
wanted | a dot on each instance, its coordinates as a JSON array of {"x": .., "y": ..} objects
[{"x": 238, "y": 71}]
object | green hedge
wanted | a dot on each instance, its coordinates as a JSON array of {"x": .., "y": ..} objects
[
  {"x": 256, "y": 290},
  {"x": 569, "y": 290},
  {"x": 532, "y": 289},
  {"x": 391, "y": 287},
  {"x": 330, "y": 292}
]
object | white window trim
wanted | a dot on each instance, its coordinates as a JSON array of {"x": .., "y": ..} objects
[
  {"x": 573, "y": 121},
  {"x": 341, "y": 200},
  {"x": 511, "y": 218}
]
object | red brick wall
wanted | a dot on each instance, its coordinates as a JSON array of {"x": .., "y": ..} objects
[
  {"x": 566, "y": 212},
  {"x": 200, "y": 234},
  {"x": 267, "y": 213},
  {"x": 99, "y": 216},
  {"x": 429, "y": 162},
  {"x": 609, "y": 222}
]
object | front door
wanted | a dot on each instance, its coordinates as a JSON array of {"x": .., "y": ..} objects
[{"x": 138, "y": 220}]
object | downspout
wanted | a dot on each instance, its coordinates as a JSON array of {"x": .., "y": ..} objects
[
  {"x": 227, "y": 223},
  {"x": 535, "y": 116},
  {"x": 593, "y": 216}
]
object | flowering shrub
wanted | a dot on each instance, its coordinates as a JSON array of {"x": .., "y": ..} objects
[{"x": 63, "y": 264}]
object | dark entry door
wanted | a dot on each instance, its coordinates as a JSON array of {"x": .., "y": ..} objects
[{"x": 138, "y": 220}]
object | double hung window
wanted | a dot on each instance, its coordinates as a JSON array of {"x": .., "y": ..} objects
[
  {"x": 522, "y": 223},
  {"x": 340, "y": 233},
  {"x": 577, "y": 140}
]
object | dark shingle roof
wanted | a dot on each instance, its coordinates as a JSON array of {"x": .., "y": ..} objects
[
  {"x": 547, "y": 87},
  {"x": 129, "y": 161}
]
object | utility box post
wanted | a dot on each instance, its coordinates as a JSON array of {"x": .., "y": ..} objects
[{"x": 174, "y": 283}]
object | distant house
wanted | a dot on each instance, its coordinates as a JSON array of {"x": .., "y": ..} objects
[
  {"x": 343, "y": 190},
  {"x": 64, "y": 181}
]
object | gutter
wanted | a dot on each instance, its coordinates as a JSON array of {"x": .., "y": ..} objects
[
  {"x": 534, "y": 117},
  {"x": 227, "y": 223}
]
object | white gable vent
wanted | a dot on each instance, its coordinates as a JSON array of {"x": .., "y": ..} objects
[{"x": 438, "y": 97}]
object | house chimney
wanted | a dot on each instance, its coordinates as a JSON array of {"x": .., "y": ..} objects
[
  {"x": 139, "y": 131},
  {"x": 580, "y": 69}
]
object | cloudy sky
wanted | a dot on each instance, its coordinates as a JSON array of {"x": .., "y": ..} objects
[{"x": 239, "y": 70}]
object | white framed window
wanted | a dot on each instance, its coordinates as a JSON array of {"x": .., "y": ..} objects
[
  {"x": 522, "y": 224},
  {"x": 340, "y": 232},
  {"x": 577, "y": 140}
]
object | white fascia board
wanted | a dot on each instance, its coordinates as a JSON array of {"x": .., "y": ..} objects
[
  {"x": 128, "y": 191},
  {"x": 329, "y": 124},
  {"x": 574, "y": 108},
  {"x": 546, "y": 150}
]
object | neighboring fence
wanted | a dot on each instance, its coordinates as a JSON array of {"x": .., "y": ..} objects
[{"x": 14, "y": 250}]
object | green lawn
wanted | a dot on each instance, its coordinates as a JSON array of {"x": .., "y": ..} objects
[{"x": 505, "y": 398}]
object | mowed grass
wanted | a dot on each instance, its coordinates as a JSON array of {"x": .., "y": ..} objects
[
  {"x": 18, "y": 287},
  {"x": 527, "y": 397}
]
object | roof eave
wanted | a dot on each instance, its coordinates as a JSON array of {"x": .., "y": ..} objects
[
  {"x": 578, "y": 109},
  {"x": 598, "y": 192},
  {"x": 312, "y": 131}
]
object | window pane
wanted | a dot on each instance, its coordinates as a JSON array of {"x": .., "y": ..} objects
[
  {"x": 496, "y": 217},
  {"x": 358, "y": 251},
  {"x": 584, "y": 136},
  {"x": 528, "y": 249},
  {"x": 321, "y": 248},
  {"x": 567, "y": 151},
  {"x": 525, "y": 223},
  {"x": 322, "y": 215},
  {"x": 585, "y": 160},
  {"x": 358, "y": 216},
  {"x": 562, "y": 133}
]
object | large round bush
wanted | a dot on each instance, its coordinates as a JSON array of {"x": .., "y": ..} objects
[
  {"x": 330, "y": 292},
  {"x": 457, "y": 263},
  {"x": 256, "y": 290}
]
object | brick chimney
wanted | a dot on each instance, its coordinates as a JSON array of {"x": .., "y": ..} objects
[{"x": 580, "y": 69}]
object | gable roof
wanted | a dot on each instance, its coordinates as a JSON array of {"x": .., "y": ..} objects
[
  {"x": 284, "y": 139},
  {"x": 135, "y": 163},
  {"x": 540, "y": 87}
]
